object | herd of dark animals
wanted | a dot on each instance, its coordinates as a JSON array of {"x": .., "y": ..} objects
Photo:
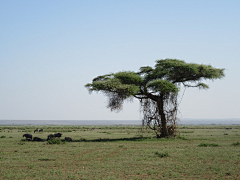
[
  {"x": 38, "y": 130},
  {"x": 52, "y": 136},
  {"x": 29, "y": 137}
]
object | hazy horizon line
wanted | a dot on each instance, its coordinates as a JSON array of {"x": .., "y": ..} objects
[{"x": 111, "y": 120}]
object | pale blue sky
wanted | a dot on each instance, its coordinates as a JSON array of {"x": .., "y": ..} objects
[{"x": 50, "y": 49}]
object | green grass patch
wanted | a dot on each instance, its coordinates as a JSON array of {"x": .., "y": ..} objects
[{"x": 125, "y": 153}]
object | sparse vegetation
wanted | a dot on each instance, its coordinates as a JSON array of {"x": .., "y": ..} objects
[{"x": 110, "y": 152}]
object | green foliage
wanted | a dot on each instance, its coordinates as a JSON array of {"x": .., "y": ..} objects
[
  {"x": 113, "y": 85},
  {"x": 164, "y": 78},
  {"x": 145, "y": 70},
  {"x": 127, "y": 77},
  {"x": 162, "y": 86},
  {"x": 179, "y": 71},
  {"x": 3, "y": 137}
]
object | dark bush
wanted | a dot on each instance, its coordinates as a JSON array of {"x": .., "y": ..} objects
[{"x": 161, "y": 155}]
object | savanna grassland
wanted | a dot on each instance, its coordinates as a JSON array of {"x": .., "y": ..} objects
[{"x": 120, "y": 152}]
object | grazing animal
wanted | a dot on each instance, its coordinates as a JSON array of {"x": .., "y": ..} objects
[
  {"x": 50, "y": 136},
  {"x": 36, "y": 130},
  {"x": 38, "y": 139},
  {"x": 41, "y": 130},
  {"x": 28, "y": 136},
  {"x": 68, "y": 139},
  {"x": 58, "y": 135}
]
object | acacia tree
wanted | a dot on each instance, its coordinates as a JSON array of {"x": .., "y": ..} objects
[{"x": 156, "y": 88}]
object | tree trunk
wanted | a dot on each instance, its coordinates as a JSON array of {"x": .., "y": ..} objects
[{"x": 164, "y": 132}]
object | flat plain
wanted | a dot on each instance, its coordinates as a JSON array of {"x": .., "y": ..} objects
[{"x": 121, "y": 152}]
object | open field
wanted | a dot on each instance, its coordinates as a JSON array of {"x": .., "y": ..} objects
[{"x": 121, "y": 152}]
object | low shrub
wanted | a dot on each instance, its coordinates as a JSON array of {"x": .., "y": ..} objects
[
  {"x": 236, "y": 144},
  {"x": 161, "y": 155},
  {"x": 207, "y": 144},
  {"x": 181, "y": 137},
  {"x": 3, "y": 136},
  {"x": 82, "y": 140}
]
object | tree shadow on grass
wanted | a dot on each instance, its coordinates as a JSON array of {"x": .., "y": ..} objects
[{"x": 121, "y": 139}]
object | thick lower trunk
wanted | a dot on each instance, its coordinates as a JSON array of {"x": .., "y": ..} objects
[
  {"x": 164, "y": 126},
  {"x": 164, "y": 132}
]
